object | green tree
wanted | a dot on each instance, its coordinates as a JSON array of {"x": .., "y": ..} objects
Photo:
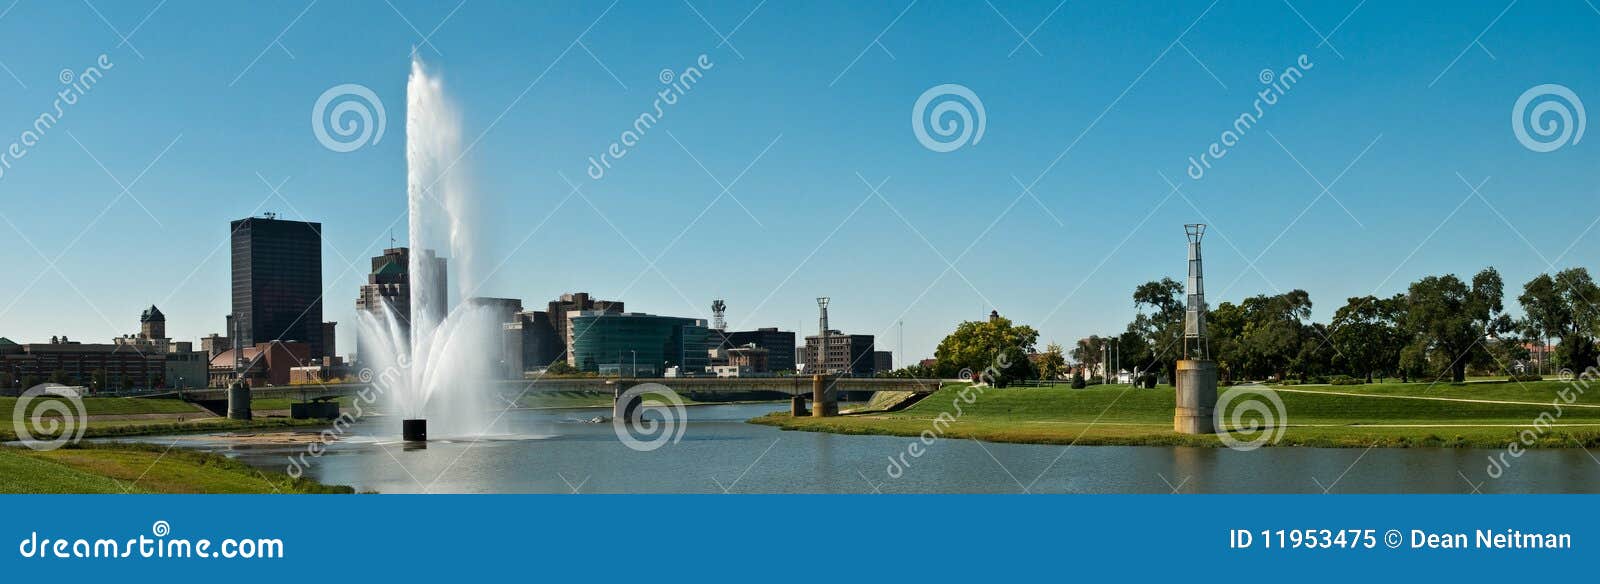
[
  {"x": 1563, "y": 307},
  {"x": 1052, "y": 363},
  {"x": 1089, "y": 352},
  {"x": 914, "y": 371},
  {"x": 1274, "y": 332},
  {"x": 1225, "y": 326},
  {"x": 560, "y": 368},
  {"x": 1367, "y": 336},
  {"x": 992, "y": 346},
  {"x": 1450, "y": 319},
  {"x": 1152, "y": 340}
]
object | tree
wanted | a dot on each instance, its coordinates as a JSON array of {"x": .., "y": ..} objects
[
  {"x": 560, "y": 368},
  {"x": 1367, "y": 336},
  {"x": 1274, "y": 332},
  {"x": 994, "y": 347},
  {"x": 1563, "y": 307},
  {"x": 1052, "y": 363},
  {"x": 1225, "y": 326},
  {"x": 1449, "y": 319},
  {"x": 1152, "y": 338},
  {"x": 914, "y": 371},
  {"x": 1089, "y": 352}
]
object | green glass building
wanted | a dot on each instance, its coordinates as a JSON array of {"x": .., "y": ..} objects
[{"x": 636, "y": 344}]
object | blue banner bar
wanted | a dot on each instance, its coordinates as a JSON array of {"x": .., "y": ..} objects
[{"x": 815, "y": 538}]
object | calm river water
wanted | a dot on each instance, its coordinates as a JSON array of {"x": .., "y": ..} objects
[{"x": 556, "y": 451}]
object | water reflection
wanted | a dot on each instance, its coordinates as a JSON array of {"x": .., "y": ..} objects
[{"x": 552, "y": 451}]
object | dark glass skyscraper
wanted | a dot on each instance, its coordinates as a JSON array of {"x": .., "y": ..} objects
[{"x": 277, "y": 281}]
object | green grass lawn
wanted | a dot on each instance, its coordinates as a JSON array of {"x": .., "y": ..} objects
[
  {"x": 1527, "y": 391},
  {"x": 114, "y": 428},
  {"x": 140, "y": 468},
  {"x": 1119, "y": 415},
  {"x": 99, "y": 406}
]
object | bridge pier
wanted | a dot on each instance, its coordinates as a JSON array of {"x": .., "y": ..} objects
[
  {"x": 797, "y": 406},
  {"x": 1196, "y": 397},
  {"x": 239, "y": 401},
  {"x": 824, "y": 401}
]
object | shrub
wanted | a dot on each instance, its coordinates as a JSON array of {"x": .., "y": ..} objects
[
  {"x": 1316, "y": 379},
  {"x": 1346, "y": 380},
  {"x": 1527, "y": 377}
]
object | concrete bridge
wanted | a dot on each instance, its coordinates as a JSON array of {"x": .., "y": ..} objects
[{"x": 818, "y": 389}]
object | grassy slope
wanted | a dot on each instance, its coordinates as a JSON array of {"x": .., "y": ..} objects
[
  {"x": 114, "y": 428},
  {"x": 1117, "y": 415},
  {"x": 112, "y": 468},
  {"x": 123, "y": 405}
]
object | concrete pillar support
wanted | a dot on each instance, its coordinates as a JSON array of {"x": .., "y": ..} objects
[
  {"x": 1197, "y": 397},
  {"x": 239, "y": 401},
  {"x": 823, "y": 398},
  {"x": 797, "y": 406}
]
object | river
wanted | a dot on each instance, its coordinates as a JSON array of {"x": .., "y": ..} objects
[{"x": 558, "y": 451}]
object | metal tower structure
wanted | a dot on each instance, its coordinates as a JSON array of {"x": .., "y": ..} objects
[
  {"x": 822, "y": 335},
  {"x": 718, "y": 309},
  {"x": 1196, "y": 344}
]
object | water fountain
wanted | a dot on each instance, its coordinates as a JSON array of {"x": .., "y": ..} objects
[{"x": 432, "y": 364}]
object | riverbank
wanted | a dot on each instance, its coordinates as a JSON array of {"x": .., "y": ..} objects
[
  {"x": 115, "y": 468},
  {"x": 1478, "y": 415}
]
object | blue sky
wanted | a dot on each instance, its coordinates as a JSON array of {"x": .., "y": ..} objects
[{"x": 1105, "y": 99}]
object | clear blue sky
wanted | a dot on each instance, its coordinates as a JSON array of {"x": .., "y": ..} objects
[{"x": 1102, "y": 97}]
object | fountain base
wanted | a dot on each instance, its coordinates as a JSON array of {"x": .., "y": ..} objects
[{"x": 414, "y": 430}]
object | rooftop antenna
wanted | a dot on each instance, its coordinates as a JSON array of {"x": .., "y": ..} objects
[
  {"x": 718, "y": 310},
  {"x": 822, "y": 335}
]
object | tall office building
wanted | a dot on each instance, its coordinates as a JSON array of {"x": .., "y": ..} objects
[
  {"x": 391, "y": 282},
  {"x": 277, "y": 281},
  {"x": 779, "y": 345},
  {"x": 636, "y": 344},
  {"x": 845, "y": 354}
]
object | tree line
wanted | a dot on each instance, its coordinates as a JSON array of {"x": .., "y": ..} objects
[{"x": 1440, "y": 327}]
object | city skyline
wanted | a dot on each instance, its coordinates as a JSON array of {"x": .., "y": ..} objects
[{"x": 223, "y": 135}]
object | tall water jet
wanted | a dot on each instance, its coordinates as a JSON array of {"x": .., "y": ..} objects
[{"x": 433, "y": 364}]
